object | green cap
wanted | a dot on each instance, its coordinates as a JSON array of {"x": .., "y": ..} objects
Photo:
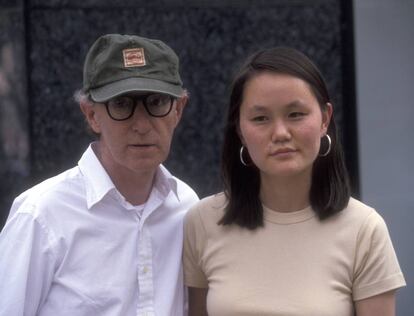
[{"x": 118, "y": 64}]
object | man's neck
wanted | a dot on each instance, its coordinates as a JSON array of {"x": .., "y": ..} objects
[{"x": 135, "y": 186}]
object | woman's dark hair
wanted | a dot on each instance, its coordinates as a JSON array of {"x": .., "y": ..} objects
[{"x": 330, "y": 191}]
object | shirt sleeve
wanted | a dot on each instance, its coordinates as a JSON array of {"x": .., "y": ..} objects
[
  {"x": 194, "y": 242},
  {"x": 376, "y": 266},
  {"x": 26, "y": 265}
]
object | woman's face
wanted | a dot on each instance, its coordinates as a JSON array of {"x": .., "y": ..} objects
[{"x": 281, "y": 124}]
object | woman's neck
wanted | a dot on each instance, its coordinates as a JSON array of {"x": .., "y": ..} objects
[{"x": 285, "y": 194}]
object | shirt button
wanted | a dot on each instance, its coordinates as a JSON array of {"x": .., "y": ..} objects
[{"x": 145, "y": 270}]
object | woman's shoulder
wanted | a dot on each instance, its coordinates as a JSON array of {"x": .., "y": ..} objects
[
  {"x": 214, "y": 201},
  {"x": 358, "y": 207},
  {"x": 208, "y": 210},
  {"x": 360, "y": 213}
]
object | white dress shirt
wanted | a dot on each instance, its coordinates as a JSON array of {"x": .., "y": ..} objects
[{"x": 73, "y": 246}]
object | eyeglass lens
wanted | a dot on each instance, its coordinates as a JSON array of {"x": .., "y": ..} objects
[{"x": 123, "y": 107}]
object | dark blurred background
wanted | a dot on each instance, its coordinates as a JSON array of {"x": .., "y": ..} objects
[{"x": 43, "y": 45}]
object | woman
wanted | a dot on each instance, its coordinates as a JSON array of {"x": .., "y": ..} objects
[{"x": 285, "y": 238}]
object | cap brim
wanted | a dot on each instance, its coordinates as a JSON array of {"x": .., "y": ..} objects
[{"x": 135, "y": 84}]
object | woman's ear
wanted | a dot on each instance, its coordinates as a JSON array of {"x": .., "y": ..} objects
[
  {"x": 239, "y": 133},
  {"x": 89, "y": 111},
  {"x": 326, "y": 117}
]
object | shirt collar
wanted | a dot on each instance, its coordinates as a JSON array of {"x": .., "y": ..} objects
[
  {"x": 166, "y": 182},
  {"x": 98, "y": 183}
]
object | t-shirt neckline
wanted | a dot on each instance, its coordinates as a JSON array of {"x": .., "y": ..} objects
[{"x": 288, "y": 217}]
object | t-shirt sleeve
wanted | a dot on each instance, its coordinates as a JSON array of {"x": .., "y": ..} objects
[
  {"x": 194, "y": 242},
  {"x": 376, "y": 268}
]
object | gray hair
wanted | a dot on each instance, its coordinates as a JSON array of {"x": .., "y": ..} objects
[{"x": 81, "y": 96}]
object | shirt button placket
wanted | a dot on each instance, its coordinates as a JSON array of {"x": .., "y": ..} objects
[{"x": 145, "y": 279}]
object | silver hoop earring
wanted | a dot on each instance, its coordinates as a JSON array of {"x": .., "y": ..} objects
[
  {"x": 241, "y": 156},
  {"x": 326, "y": 153}
]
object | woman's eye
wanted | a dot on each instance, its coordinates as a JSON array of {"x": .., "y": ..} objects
[
  {"x": 296, "y": 114},
  {"x": 260, "y": 118}
]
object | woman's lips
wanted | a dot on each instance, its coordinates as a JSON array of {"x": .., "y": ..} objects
[{"x": 282, "y": 151}]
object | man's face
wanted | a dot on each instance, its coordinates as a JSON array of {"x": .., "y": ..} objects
[{"x": 138, "y": 144}]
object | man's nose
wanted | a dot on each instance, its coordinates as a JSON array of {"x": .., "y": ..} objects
[{"x": 141, "y": 119}]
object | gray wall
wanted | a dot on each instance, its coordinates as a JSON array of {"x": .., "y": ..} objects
[{"x": 384, "y": 42}]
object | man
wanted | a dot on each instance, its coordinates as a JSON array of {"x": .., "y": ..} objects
[{"x": 105, "y": 238}]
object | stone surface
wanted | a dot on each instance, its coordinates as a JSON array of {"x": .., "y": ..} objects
[
  {"x": 14, "y": 131},
  {"x": 211, "y": 42},
  {"x": 212, "y": 38}
]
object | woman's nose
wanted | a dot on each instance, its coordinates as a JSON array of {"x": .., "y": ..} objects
[{"x": 280, "y": 132}]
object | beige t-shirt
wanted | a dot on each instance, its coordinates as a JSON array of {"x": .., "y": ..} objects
[{"x": 294, "y": 265}]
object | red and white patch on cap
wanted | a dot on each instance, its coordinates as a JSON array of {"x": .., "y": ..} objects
[{"x": 134, "y": 57}]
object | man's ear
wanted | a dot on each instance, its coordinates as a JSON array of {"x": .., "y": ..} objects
[
  {"x": 89, "y": 111},
  {"x": 179, "y": 107}
]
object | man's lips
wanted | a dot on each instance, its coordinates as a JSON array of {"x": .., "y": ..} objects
[{"x": 141, "y": 145}]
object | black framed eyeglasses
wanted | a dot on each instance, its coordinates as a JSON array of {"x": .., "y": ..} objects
[{"x": 123, "y": 107}]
